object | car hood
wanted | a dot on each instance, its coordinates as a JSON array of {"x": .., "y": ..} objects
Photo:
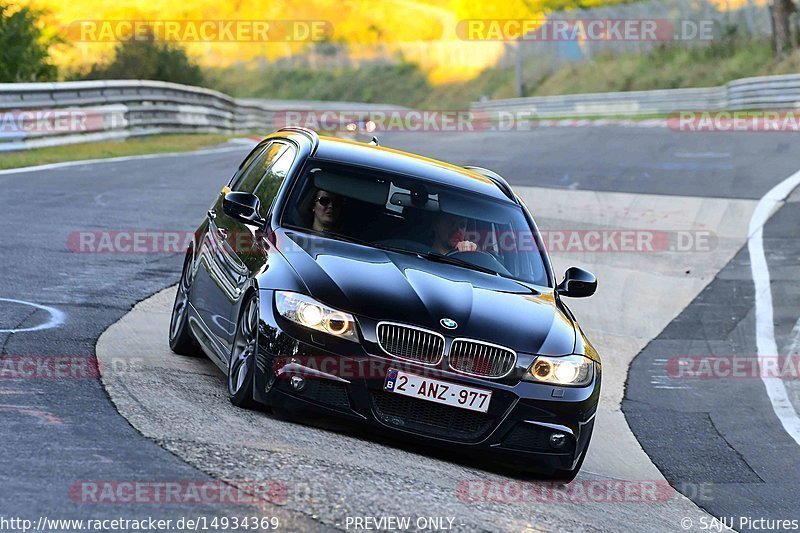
[{"x": 384, "y": 285}]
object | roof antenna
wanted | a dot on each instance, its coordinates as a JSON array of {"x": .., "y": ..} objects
[{"x": 374, "y": 141}]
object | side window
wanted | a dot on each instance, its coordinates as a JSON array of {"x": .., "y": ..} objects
[
  {"x": 271, "y": 182},
  {"x": 237, "y": 176},
  {"x": 248, "y": 180}
]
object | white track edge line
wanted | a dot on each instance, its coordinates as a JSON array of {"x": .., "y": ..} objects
[{"x": 765, "y": 327}]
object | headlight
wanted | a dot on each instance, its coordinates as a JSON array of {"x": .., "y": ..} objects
[
  {"x": 571, "y": 370},
  {"x": 308, "y": 312}
]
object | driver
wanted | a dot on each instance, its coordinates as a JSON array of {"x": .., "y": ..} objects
[
  {"x": 327, "y": 210},
  {"x": 448, "y": 235}
]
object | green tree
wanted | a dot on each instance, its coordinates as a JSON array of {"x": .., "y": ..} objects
[
  {"x": 23, "y": 46},
  {"x": 149, "y": 60}
]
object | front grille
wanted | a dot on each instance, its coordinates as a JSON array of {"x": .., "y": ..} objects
[
  {"x": 481, "y": 359},
  {"x": 428, "y": 418},
  {"x": 410, "y": 343}
]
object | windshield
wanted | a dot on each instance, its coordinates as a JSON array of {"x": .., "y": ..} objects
[{"x": 413, "y": 216}]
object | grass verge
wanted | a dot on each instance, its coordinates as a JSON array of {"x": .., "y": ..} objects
[{"x": 152, "y": 144}]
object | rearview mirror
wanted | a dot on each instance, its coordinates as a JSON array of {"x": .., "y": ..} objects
[
  {"x": 578, "y": 283},
  {"x": 243, "y": 206}
]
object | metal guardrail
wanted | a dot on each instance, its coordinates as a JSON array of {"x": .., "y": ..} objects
[
  {"x": 33, "y": 115},
  {"x": 758, "y": 93}
]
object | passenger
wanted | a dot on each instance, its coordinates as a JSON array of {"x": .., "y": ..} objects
[
  {"x": 327, "y": 210},
  {"x": 448, "y": 235}
]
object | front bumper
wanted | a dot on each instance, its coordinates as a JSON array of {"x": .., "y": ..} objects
[{"x": 300, "y": 372}]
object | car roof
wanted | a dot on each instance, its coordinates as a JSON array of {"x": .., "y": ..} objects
[{"x": 399, "y": 162}]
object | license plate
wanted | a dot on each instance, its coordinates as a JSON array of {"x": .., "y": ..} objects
[{"x": 437, "y": 391}]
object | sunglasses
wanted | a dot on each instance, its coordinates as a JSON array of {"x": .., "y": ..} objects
[{"x": 325, "y": 201}]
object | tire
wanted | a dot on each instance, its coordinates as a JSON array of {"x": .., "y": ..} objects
[
  {"x": 242, "y": 362},
  {"x": 181, "y": 340}
]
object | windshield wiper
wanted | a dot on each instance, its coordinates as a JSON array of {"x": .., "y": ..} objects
[{"x": 433, "y": 256}]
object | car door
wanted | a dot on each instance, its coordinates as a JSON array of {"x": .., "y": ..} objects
[
  {"x": 222, "y": 255},
  {"x": 252, "y": 248}
]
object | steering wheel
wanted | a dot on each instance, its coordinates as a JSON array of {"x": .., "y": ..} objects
[
  {"x": 457, "y": 251},
  {"x": 483, "y": 259}
]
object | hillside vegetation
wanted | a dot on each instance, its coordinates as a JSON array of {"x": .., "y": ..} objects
[{"x": 666, "y": 67}]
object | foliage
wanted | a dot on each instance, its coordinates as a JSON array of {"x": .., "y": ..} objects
[
  {"x": 666, "y": 67},
  {"x": 24, "y": 46},
  {"x": 148, "y": 60},
  {"x": 400, "y": 84}
]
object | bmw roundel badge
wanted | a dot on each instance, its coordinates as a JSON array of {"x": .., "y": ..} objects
[{"x": 448, "y": 323}]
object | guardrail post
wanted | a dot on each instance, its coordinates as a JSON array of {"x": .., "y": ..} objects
[{"x": 520, "y": 84}]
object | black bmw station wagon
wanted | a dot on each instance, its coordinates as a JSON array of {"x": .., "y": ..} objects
[{"x": 345, "y": 279}]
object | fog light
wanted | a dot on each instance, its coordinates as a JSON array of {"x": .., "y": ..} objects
[
  {"x": 558, "y": 440},
  {"x": 298, "y": 383}
]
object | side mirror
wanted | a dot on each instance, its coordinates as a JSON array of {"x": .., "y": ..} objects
[
  {"x": 578, "y": 283},
  {"x": 243, "y": 206}
]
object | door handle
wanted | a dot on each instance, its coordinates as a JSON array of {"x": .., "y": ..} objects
[
  {"x": 223, "y": 233},
  {"x": 212, "y": 214}
]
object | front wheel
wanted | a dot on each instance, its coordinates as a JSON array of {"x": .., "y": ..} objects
[{"x": 241, "y": 366}]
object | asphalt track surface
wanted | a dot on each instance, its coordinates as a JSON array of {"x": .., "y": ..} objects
[
  {"x": 728, "y": 437},
  {"x": 59, "y": 432}
]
